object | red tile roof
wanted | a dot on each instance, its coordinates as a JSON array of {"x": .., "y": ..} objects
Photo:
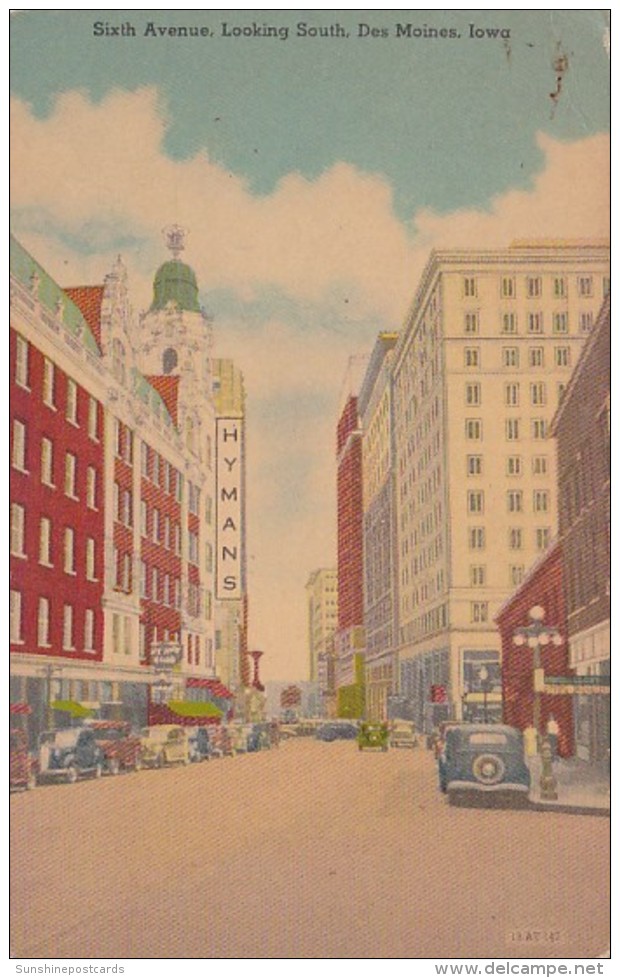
[
  {"x": 168, "y": 389},
  {"x": 88, "y": 299}
]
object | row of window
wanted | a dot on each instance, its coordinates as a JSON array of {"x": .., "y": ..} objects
[
  {"x": 70, "y": 477},
  {"x": 44, "y": 620},
  {"x": 533, "y": 286},
  {"x": 514, "y": 501},
  {"x": 534, "y": 323},
  {"x": 512, "y": 394},
  {"x": 478, "y": 575},
  {"x": 477, "y": 537},
  {"x": 474, "y": 465},
  {"x": 511, "y": 356},
  {"x": 45, "y": 551},
  {"x": 513, "y": 429},
  {"x": 50, "y": 389}
]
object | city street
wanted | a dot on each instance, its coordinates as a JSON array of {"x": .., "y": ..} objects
[{"x": 310, "y": 850}]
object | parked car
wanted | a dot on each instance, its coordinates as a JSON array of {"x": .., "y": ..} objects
[
  {"x": 259, "y": 737},
  {"x": 22, "y": 765},
  {"x": 336, "y": 730},
  {"x": 238, "y": 733},
  {"x": 221, "y": 741},
  {"x": 200, "y": 746},
  {"x": 484, "y": 762},
  {"x": 122, "y": 749},
  {"x": 373, "y": 736},
  {"x": 164, "y": 744},
  {"x": 288, "y": 730},
  {"x": 68, "y": 754},
  {"x": 403, "y": 734}
]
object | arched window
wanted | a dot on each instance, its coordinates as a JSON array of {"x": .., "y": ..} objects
[{"x": 170, "y": 360}]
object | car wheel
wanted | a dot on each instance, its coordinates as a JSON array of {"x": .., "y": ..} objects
[
  {"x": 114, "y": 766},
  {"x": 72, "y": 774}
]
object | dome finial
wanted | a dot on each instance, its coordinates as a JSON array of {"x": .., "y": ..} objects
[{"x": 175, "y": 239}]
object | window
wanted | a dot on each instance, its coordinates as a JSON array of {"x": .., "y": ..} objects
[
  {"x": 586, "y": 320},
  {"x": 512, "y": 429},
  {"x": 21, "y": 362},
  {"x": 155, "y": 584},
  {"x": 533, "y": 287},
  {"x": 155, "y": 526},
  {"x": 127, "y": 507},
  {"x": 477, "y": 539},
  {"x": 117, "y": 636},
  {"x": 18, "y": 451},
  {"x": 155, "y": 468},
  {"x": 17, "y": 530},
  {"x": 539, "y": 428},
  {"x": 477, "y": 575},
  {"x": 128, "y": 445},
  {"x": 508, "y": 288},
  {"x": 559, "y": 288},
  {"x": 543, "y": 535},
  {"x": 144, "y": 459},
  {"x": 93, "y": 419},
  {"x": 515, "y": 538},
  {"x": 177, "y": 539},
  {"x": 539, "y": 465},
  {"x": 45, "y": 541},
  {"x": 469, "y": 287},
  {"x": 178, "y": 495},
  {"x": 536, "y": 356},
  {"x": 47, "y": 462},
  {"x": 208, "y": 605},
  {"x": 514, "y": 500},
  {"x": 513, "y": 465},
  {"x": 473, "y": 394},
  {"x": 541, "y": 501},
  {"x": 535, "y": 322},
  {"x": 474, "y": 465},
  {"x": 91, "y": 487},
  {"x": 516, "y": 573},
  {"x": 90, "y": 559},
  {"x": 43, "y": 622},
  {"x": 509, "y": 322},
  {"x": 167, "y": 532},
  {"x": 511, "y": 395},
  {"x": 124, "y": 572},
  {"x": 193, "y": 548},
  {"x": 471, "y": 322},
  {"x": 70, "y": 475},
  {"x": 479, "y": 611},
  {"x": 144, "y": 580},
  {"x": 208, "y": 558},
  {"x": 118, "y": 438},
  {"x": 71, "y": 407},
  {"x": 208, "y": 509},
  {"x": 166, "y": 476},
  {"x": 538, "y": 393},
  {"x": 16, "y": 617},
  {"x": 67, "y": 628},
  {"x": 48, "y": 382},
  {"x": 166, "y": 598},
  {"x": 473, "y": 429},
  {"x": 472, "y": 356},
  {"x": 510, "y": 356},
  {"x": 69, "y": 551},
  {"x": 475, "y": 501},
  {"x": 560, "y": 322},
  {"x": 89, "y": 630},
  {"x": 562, "y": 356},
  {"x": 584, "y": 286},
  {"x": 144, "y": 518}
]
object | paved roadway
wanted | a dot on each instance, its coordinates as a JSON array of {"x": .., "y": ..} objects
[{"x": 312, "y": 850}]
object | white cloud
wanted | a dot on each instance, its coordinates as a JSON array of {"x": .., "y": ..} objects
[{"x": 99, "y": 171}]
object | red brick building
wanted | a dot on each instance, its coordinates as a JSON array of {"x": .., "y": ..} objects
[{"x": 542, "y": 586}]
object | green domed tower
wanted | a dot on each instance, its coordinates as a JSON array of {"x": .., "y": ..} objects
[{"x": 175, "y": 281}]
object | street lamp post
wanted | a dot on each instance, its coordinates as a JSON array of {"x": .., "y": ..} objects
[
  {"x": 536, "y": 636},
  {"x": 483, "y": 676}
]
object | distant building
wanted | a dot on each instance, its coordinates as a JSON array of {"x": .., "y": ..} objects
[
  {"x": 379, "y": 528},
  {"x": 322, "y": 599},
  {"x": 582, "y": 429}
]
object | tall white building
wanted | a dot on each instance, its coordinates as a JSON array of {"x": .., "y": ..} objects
[
  {"x": 322, "y": 596},
  {"x": 480, "y": 366}
]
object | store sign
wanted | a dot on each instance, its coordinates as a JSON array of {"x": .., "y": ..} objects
[
  {"x": 229, "y": 507},
  {"x": 165, "y": 655}
]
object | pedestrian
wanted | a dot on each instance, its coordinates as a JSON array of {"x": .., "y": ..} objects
[
  {"x": 553, "y": 731},
  {"x": 530, "y": 741}
]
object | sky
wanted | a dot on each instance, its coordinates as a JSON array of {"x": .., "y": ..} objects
[{"x": 314, "y": 175}]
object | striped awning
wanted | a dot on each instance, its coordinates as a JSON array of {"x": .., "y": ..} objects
[
  {"x": 20, "y": 708},
  {"x": 218, "y": 689}
]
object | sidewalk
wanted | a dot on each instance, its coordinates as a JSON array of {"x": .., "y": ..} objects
[{"x": 582, "y": 787}]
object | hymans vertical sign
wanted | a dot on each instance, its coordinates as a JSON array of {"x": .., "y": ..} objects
[{"x": 229, "y": 507}]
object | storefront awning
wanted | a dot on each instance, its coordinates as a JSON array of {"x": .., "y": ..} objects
[
  {"x": 75, "y": 709},
  {"x": 214, "y": 686},
  {"x": 20, "y": 708},
  {"x": 187, "y": 708}
]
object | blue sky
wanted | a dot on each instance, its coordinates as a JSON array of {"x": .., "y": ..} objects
[{"x": 314, "y": 176}]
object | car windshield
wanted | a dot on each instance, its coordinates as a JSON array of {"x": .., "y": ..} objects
[
  {"x": 494, "y": 739},
  {"x": 62, "y": 738},
  {"x": 109, "y": 733},
  {"x": 150, "y": 734}
]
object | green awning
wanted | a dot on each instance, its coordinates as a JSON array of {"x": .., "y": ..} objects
[
  {"x": 74, "y": 708},
  {"x": 187, "y": 708}
]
